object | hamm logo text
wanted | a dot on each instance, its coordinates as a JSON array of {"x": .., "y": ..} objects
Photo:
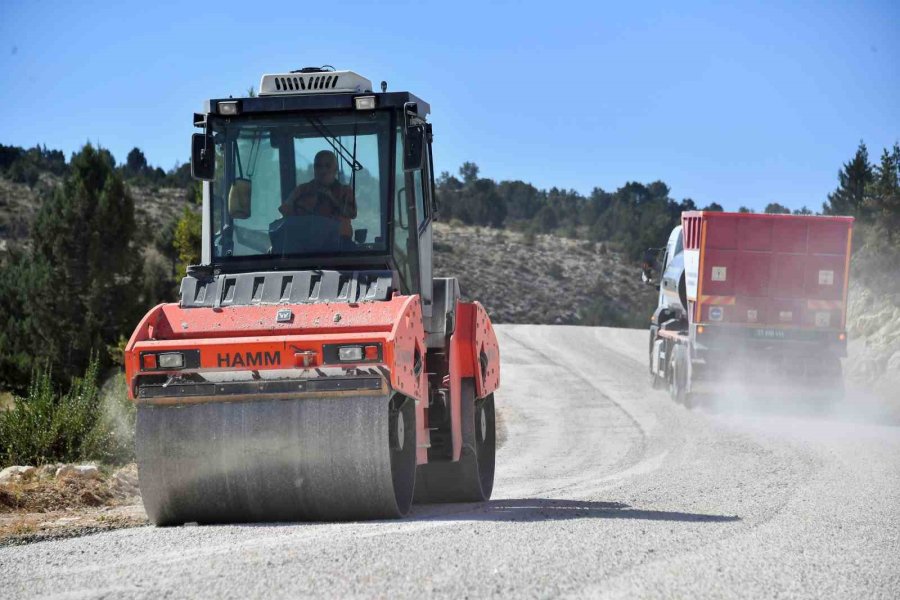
[{"x": 249, "y": 359}]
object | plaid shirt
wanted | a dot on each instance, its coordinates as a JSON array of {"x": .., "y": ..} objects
[{"x": 335, "y": 201}]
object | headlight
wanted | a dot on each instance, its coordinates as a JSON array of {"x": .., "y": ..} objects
[
  {"x": 228, "y": 108},
  {"x": 170, "y": 360},
  {"x": 364, "y": 102},
  {"x": 350, "y": 353}
]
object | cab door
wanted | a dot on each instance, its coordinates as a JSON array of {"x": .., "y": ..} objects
[{"x": 423, "y": 186}]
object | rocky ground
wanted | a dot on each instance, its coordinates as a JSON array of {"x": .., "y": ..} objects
[
  {"x": 56, "y": 500},
  {"x": 873, "y": 323}
]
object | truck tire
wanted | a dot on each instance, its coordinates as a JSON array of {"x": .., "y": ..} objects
[
  {"x": 656, "y": 382},
  {"x": 678, "y": 372}
]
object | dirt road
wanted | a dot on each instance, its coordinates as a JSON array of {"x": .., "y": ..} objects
[{"x": 604, "y": 489}]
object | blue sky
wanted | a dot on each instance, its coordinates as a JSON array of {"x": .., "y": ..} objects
[{"x": 739, "y": 104}]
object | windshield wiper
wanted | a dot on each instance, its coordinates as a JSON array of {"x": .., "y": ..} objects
[{"x": 335, "y": 143}]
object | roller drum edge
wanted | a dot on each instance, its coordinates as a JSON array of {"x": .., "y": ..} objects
[{"x": 276, "y": 460}]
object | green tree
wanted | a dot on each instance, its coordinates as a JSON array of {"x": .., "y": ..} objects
[
  {"x": 469, "y": 172},
  {"x": 74, "y": 294},
  {"x": 773, "y": 208},
  {"x": 188, "y": 238},
  {"x": 854, "y": 180},
  {"x": 714, "y": 207},
  {"x": 885, "y": 194},
  {"x": 164, "y": 242},
  {"x": 135, "y": 163}
]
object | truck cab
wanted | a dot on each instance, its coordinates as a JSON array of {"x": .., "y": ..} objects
[{"x": 672, "y": 282}]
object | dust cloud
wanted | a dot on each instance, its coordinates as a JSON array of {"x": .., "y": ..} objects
[{"x": 789, "y": 389}]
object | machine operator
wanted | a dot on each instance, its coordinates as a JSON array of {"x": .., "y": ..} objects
[{"x": 323, "y": 196}]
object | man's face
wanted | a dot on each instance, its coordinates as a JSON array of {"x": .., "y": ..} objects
[{"x": 325, "y": 169}]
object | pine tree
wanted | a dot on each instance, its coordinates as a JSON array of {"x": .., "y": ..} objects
[
  {"x": 885, "y": 194},
  {"x": 75, "y": 294},
  {"x": 854, "y": 179}
]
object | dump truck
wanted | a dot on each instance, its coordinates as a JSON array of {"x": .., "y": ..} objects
[
  {"x": 314, "y": 367},
  {"x": 751, "y": 299}
]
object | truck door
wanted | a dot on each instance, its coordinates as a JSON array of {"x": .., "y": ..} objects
[{"x": 673, "y": 271}]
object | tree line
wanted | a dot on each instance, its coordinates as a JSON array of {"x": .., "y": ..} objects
[
  {"x": 634, "y": 217},
  {"x": 25, "y": 165}
]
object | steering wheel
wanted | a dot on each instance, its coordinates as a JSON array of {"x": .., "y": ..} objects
[{"x": 306, "y": 234}]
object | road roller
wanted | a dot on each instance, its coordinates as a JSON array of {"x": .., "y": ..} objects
[{"x": 315, "y": 368}]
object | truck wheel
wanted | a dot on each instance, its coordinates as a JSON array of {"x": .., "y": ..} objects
[
  {"x": 678, "y": 376},
  {"x": 471, "y": 479},
  {"x": 656, "y": 382}
]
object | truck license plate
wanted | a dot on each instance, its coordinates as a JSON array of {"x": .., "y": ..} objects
[{"x": 769, "y": 334}]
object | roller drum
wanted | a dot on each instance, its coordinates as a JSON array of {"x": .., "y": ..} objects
[{"x": 277, "y": 460}]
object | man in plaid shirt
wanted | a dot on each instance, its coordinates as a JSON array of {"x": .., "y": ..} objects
[{"x": 324, "y": 195}]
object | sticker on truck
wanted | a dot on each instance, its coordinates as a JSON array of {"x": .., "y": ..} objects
[
  {"x": 826, "y": 277},
  {"x": 786, "y": 315},
  {"x": 719, "y": 273},
  {"x": 752, "y": 316},
  {"x": 715, "y": 313}
]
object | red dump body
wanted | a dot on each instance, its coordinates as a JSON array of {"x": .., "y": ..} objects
[{"x": 773, "y": 272}]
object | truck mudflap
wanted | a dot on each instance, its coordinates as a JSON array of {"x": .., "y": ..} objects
[{"x": 276, "y": 459}]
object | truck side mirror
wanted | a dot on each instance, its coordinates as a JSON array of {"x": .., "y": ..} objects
[
  {"x": 414, "y": 148},
  {"x": 651, "y": 263},
  {"x": 203, "y": 157}
]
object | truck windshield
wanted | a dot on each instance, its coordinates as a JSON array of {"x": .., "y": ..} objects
[{"x": 296, "y": 185}]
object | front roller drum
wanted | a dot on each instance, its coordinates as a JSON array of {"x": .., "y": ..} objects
[{"x": 344, "y": 458}]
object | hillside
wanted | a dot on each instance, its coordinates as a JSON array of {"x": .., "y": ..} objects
[
  {"x": 520, "y": 278},
  {"x": 154, "y": 207},
  {"x": 542, "y": 278}
]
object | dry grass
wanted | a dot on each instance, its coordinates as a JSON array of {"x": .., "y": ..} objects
[{"x": 50, "y": 508}]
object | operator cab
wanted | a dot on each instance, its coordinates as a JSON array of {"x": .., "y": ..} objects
[{"x": 318, "y": 173}]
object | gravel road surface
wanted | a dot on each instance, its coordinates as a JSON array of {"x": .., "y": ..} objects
[{"x": 604, "y": 489}]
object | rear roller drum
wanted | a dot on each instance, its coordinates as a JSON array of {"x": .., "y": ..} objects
[
  {"x": 277, "y": 460},
  {"x": 471, "y": 479}
]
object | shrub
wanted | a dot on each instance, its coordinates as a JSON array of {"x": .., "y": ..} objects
[{"x": 44, "y": 426}]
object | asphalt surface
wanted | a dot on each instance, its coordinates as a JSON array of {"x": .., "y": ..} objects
[{"x": 605, "y": 488}]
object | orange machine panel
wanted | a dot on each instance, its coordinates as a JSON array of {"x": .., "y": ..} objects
[{"x": 475, "y": 353}]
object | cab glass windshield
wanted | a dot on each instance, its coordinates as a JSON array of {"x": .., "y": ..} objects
[{"x": 296, "y": 185}]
